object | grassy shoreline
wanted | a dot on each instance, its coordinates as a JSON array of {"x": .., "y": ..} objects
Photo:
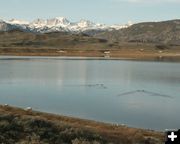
[
  {"x": 127, "y": 54},
  {"x": 26, "y": 126}
]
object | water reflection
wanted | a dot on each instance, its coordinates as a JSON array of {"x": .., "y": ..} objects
[{"x": 148, "y": 92}]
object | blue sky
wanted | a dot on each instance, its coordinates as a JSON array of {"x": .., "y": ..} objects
[{"x": 103, "y": 11}]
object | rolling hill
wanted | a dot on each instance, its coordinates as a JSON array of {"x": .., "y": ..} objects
[{"x": 166, "y": 32}]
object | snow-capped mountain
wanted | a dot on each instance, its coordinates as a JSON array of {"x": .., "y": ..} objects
[
  {"x": 59, "y": 21},
  {"x": 15, "y": 21},
  {"x": 4, "y": 26},
  {"x": 58, "y": 24}
]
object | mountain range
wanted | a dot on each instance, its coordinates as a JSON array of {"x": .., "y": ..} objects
[
  {"x": 58, "y": 24},
  {"x": 163, "y": 32},
  {"x": 59, "y": 37}
]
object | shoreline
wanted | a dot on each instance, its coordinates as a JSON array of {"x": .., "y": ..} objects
[
  {"x": 158, "y": 58},
  {"x": 107, "y": 132}
]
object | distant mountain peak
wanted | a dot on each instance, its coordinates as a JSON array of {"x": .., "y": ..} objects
[
  {"x": 85, "y": 23},
  {"x": 16, "y": 21},
  {"x": 39, "y": 22},
  {"x": 60, "y": 24},
  {"x": 60, "y": 21}
]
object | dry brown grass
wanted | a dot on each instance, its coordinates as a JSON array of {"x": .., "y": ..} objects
[
  {"x": 107, "y": 132},
  {"x": 29, "y": 44}
]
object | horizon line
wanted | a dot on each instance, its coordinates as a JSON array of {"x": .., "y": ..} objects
[{"x": 41, "y": 18}]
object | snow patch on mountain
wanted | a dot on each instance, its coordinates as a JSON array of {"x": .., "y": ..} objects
[
  {"x": 16, "y": 21},
  {"x": 62, "y": 24}
]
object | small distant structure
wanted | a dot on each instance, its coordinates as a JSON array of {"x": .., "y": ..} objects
[
  {"x": 61, "y": 51},
  {"x": 28, "y": 109},
  {"x": 107, "y": 54},
  {"x": 141, "y": 50},
  {"x": 160, "y": 51}
]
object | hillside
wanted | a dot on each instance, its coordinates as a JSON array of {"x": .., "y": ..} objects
[
  {"x": 125, "y": 44},
  {"x": 166, "y": 32},
  {"x": 17, "y": 38}
]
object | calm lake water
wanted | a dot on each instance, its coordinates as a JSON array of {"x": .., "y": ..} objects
[{"x": 139, "y": 94}]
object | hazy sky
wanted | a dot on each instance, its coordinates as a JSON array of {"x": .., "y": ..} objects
[{"x": 103, "y": 11}]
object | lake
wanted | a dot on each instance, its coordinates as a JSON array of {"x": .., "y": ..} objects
[{"x": 138, "y": 94}]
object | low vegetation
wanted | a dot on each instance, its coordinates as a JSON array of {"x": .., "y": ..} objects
[{"x": 18, "y": 126}]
